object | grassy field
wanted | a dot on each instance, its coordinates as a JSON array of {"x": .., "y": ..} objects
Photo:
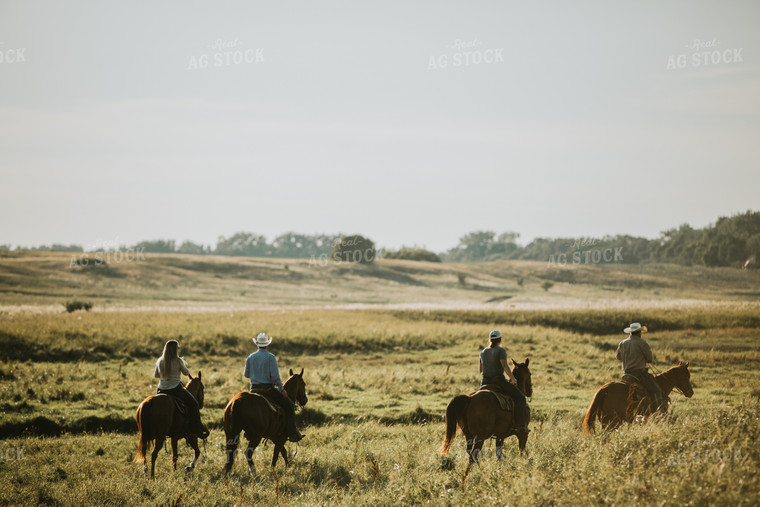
[
  {"x": 378, "y": 384},
  {"x": 43, "y": 281},
  {"x": 379, "y": 376}
]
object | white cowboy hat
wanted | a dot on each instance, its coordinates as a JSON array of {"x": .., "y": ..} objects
[
  {"x": 635, "y": 327},
  {"x": 495, "y": 335},
  {"x": 262, "y": 340}
]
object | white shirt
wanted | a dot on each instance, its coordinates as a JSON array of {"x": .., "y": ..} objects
[{"x": 173, "y": 379}]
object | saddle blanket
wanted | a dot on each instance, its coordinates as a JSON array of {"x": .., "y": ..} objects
[{"x": 505, "y": 402}]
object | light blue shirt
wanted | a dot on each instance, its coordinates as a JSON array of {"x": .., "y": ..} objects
[{"x": 261, "y": 367}]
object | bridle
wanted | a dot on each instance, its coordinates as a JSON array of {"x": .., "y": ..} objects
[{"x": 671, "y": 383}]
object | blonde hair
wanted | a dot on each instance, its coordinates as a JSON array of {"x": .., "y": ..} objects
[{"x": 170, "y": 360}]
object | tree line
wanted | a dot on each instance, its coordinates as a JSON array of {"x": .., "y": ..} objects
[{"x": 730, "y": 241}]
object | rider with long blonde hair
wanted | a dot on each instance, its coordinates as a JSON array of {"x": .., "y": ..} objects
[{"x": 169, "y": 369}]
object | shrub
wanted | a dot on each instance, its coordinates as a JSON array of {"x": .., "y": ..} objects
[
  {"x": 354, "y": 249},
  {"x": 413, "y": 254},
  {"x": 547, "y": 285},
  {"x": 72, "y": 306}
]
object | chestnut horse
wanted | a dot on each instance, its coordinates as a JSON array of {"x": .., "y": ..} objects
[
  {"x": 158, "y": 418},
  {"x": 611, "y": 404},
  {"x": 253, "y": 414},
  {"x": 480, "y": 417}
]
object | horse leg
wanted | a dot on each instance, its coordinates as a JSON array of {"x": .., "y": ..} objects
[
  {"x": 154, "y": 455},
  {"x": 477, "y": 450},
  {"x": 499, "y": 445},
  {"x": 279, "y": 450},
  {"x": 252, "y": 444},
  {"x": 232, "y": 443},
  {"x": 193, "y": 441},
  {"x": 175, "y": 455},
  {"x": 522, "y": 440}
]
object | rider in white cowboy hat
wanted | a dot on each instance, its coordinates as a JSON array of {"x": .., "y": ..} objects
[
  {"x": 261, "y": 368},
  {"x": 635, "y": 353}
]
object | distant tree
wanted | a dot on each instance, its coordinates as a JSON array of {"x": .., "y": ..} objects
[
  {"x": 188, "y": 247},
  {"x": 483, "y": 245},
  {"x": 354, "y": 248},
  {"x": 547, "y": 285},
  {"x": 243, "y": 244},
  {"x": 156, "y": 246}
]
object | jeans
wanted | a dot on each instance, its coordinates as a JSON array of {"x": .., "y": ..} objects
[
  {"x": 193, "y": 411},
  {"x": 521, "y": 405},
  {"x": 647, "y": 380}
]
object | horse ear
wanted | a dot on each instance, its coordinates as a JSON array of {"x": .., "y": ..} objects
[
  {"x": 513, "y": 362},
  {"x": 301, "y": 372},
  {"x": 687, "y": 364},
  {"x": 189, "y": 375},
  {"x": 199, "y": 374},
  {"x": 680, "y": 363},
  {"x": 291, "y": 372},
  {"x": 527, "y": 361}
]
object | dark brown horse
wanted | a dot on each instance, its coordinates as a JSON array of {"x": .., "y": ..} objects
[
  {"x": 253, "y": 414},
  {"x": 480, "y": 417},
  {"x": 158, "y": 418},
  {"x": 611, "y": 402}
]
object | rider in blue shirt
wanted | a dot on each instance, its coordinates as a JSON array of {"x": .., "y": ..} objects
[{"x": 262, "y": 369}]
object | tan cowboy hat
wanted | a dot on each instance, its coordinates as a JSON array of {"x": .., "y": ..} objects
[
  {"x": 262, "y": 340},
  {"x": 635, "y": 327}
]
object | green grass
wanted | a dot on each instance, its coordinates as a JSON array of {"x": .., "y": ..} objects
[{"x": 378, "y": 383}]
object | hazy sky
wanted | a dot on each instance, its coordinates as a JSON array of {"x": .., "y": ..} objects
[{"x": 410, "y": 122}]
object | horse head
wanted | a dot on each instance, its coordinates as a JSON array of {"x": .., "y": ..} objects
[
  {"x": 522, "y": 374},
  {"x": 296, "y": 388},
  {"x": 195, "y": 387},
  {"x": 682, "y": 378}
]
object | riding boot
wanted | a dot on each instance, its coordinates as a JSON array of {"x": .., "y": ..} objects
[
  {"x": 521, "y": 417},
  {"x": 199, "y": 429}
]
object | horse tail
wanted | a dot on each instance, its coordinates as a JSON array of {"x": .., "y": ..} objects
[
  {"x": 143, "y": 443},
  {"x": 228, "y": 422},
  {"x": 593, "y": 412},
  {"x": 455, "y": 412}
]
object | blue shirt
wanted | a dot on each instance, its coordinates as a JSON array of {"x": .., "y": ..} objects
[{"x": 261, "y": 367}]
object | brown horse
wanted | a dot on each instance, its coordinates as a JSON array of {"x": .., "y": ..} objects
[
  {"x": 158, "y": 418},
  {"x": 480, "y": 417},
  {"x": 611, "y": 402},
  {"x": 253, "y": 414}
]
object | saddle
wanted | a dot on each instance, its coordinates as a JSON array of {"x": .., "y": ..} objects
[
  {"x": 505, "y": 401},
  {"x": 178, "y": 404},
  {"x": 266, "y": 394}
]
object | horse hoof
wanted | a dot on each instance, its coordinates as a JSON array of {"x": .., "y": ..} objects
[{"x": 189, "y": 468}]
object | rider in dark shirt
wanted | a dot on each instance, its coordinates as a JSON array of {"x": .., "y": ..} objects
[{"x": 493, "y": 366}]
